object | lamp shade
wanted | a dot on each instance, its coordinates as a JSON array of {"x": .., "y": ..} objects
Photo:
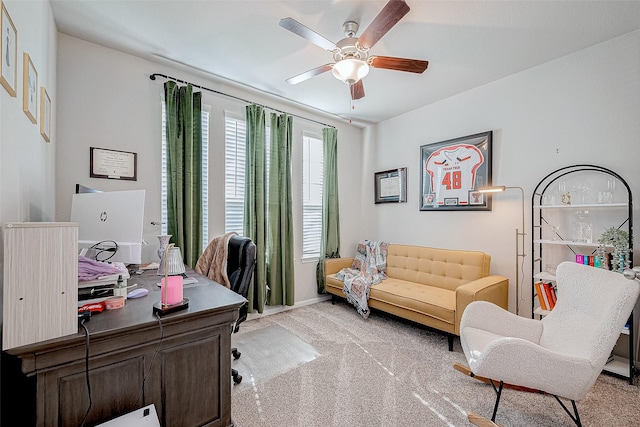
[
  {"x": 172, "y": 263},
  {"x": 350, "y": 70}
]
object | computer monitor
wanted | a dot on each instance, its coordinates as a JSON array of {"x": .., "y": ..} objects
[
  {"x": 84, "y": 189},
  {"x": 110, "y": 220}
]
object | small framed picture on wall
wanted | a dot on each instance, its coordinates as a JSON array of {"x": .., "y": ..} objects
[
  {"x": 45, "y": 115},
  {"x": 113, "y": 164},
  {"x": 30, "y": 89},
  {"x": 391, "y": 186},
  {"x": 9, "y": 53}
]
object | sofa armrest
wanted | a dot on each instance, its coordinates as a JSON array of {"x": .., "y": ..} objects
[
  {"x": 333, "y": 265},
  {"x": 494, "y": 289}
]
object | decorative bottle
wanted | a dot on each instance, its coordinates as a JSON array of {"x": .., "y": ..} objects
[{"x": 164, "y": 242}]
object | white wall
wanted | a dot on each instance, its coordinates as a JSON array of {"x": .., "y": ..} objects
[
  {"x": 27, "y": 161},
  {"x": 582, "y": 108},
  {"x": 107, "y": 100}
]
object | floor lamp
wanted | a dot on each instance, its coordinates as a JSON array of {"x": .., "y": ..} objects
[{"x": 519, "y": 235}]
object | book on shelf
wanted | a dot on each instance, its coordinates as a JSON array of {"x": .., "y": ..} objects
[
  {"x": 546, "y": 295},
  {"x": 550, "y": 294},
  {"x": 540, "y": 292}
]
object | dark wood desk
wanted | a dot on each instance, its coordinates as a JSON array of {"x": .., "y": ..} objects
[{"x": 186, "y": 361}]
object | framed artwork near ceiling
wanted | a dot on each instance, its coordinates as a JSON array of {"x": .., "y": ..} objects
[
  {"x": 453, "y": 170},
  {"x": 45, "y": 114},
  {"x": 29, "y": 88},
  {"x": 391, "y": 186},
  {"x": 8, "y": 52}
]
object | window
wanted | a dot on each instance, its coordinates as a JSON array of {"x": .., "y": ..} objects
[
  {"x": 205, "y": 173},
  {"x": 235, "y": 142},
  {"x": 312, "y": 171},
  {"x": 235, "y": 131}
]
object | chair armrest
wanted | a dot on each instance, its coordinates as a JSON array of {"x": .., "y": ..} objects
[
  {"x": 520, "y": 362},
  {"x": 487, "y": 316},
  {"x": 333, "y": 265},
  {"x": 494, "y": 289}
]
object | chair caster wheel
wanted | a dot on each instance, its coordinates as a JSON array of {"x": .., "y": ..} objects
[
  {"x": 237, "y": 379},
  {"x": 236, "y": 354}
]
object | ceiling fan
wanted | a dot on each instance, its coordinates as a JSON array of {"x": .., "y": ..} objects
[{"x": 351, "y": 54}]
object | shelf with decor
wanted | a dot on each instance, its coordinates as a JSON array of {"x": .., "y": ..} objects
[
  {"x": 576, "y": 212},
  {"x": 570, "y": 243},
  {"x": 584, "y": 206}
]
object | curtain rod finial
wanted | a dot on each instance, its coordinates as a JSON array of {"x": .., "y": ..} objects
[{"x": 152, "y": 76}]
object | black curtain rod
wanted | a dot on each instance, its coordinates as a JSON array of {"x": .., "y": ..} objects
[{"x": 154, "y": 75}]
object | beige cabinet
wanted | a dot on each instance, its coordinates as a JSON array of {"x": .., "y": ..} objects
[{"x": 40, "y": 287}]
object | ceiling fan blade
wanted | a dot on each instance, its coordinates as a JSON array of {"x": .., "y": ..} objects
[
  {"x": 399, "y": 64},
  {"x": 357, "y": 90},
  {"x": 307, "y": 33},
  {"x": 308, "y": 74},
  {"x": 389, "y": 16}
]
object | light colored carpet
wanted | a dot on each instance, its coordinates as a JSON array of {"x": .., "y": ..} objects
[{"x": 382, "y": 371}]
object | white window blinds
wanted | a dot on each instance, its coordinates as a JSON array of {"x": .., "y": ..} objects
[
  {"x": 312, "y": 196},
  {"x": 235, "y": 131},
  {"x": 235, "y": 136}
]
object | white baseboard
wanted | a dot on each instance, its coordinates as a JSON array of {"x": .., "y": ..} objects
[{"x": 269, "y": 310}]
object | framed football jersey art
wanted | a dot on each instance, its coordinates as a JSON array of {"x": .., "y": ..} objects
[{"x": 452, "y": 172}]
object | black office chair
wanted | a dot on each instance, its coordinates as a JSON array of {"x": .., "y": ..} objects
[{"x": 241, "y": 262}]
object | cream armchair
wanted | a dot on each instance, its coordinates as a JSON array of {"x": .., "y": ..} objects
[{"x": 563, "y": 353}]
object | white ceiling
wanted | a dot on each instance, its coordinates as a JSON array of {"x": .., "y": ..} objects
[{"x": 467, "y": 43}]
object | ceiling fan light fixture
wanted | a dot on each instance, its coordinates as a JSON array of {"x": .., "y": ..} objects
[{"x": 350, "y": 70}]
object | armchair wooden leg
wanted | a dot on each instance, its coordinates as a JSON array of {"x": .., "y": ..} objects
[
  {"x": 465, "y": 370},
  {"x": 480, "y": 421}
]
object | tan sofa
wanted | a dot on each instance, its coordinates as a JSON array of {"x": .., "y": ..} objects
[{"x": 429, "y": 286}]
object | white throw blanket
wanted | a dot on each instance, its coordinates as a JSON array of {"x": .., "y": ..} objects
[{"x": 369, "y": 267}]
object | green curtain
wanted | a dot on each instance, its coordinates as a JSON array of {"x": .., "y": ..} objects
[
  {"x": 255, "y": 201},
  {"x": 184, "y": 169},
  {"x": 330, "y": 239},
  {"x": 280, "y": 214}
]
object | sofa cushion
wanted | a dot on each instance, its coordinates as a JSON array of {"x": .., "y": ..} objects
[
  {"x": 443, "y": 268},
  {"x": 430, "y": 300}
]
